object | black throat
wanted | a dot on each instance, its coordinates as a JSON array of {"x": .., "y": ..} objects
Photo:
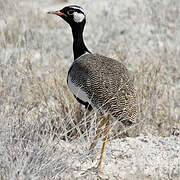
[{"x": 79, "y": 47}]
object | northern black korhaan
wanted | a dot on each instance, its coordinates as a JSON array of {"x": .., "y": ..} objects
[{"x": 96, "y": 81}]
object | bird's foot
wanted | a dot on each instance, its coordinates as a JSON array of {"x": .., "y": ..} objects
[
  {"x": 93, "y": 170},
  {"x": 96, "y": 172}
]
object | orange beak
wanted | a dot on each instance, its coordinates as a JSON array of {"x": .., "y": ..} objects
[{"x": 59, "y": 13}]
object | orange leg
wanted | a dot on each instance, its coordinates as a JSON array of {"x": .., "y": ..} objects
[
  {"x": 98, "y": 132},
  {"x": 105, "y": 140}
]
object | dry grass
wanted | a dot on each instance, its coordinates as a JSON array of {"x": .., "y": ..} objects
[
  {"x": 156, "y": 99},
  {"x": 37, "y": 107}
]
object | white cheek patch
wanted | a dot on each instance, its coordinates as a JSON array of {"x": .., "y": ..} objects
[{"x": 78, "y": 17}]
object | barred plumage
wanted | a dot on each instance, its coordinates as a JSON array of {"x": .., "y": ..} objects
[{"x": 106, "y": 83}]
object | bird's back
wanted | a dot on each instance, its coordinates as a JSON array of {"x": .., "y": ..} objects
[{"x": 104, "y": 83}]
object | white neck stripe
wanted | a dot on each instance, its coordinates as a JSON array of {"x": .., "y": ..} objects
[{"x": 82, "y": 55}]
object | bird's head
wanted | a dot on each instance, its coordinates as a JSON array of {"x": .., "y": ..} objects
[{"x": 73, "y": 15}]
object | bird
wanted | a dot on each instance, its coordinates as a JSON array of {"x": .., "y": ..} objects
[{"x": 98, "y": 82}]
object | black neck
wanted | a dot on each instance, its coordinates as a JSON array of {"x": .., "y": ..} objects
[{"x": 79, "y": 48}]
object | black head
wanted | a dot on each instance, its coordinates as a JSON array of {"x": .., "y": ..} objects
[
  {"x": 76, "y": 18},
  {"x": 73, "y": 15}
]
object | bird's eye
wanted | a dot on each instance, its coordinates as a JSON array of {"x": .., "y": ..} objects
[{"x": 70, "y": 12}]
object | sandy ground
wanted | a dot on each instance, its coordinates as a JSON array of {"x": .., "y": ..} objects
[{"x": 143, "y": 157}]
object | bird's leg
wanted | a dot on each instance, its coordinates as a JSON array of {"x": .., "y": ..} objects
[
  {"x": 98, "y": 132},
  {"x": 107, "y": 129}
]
